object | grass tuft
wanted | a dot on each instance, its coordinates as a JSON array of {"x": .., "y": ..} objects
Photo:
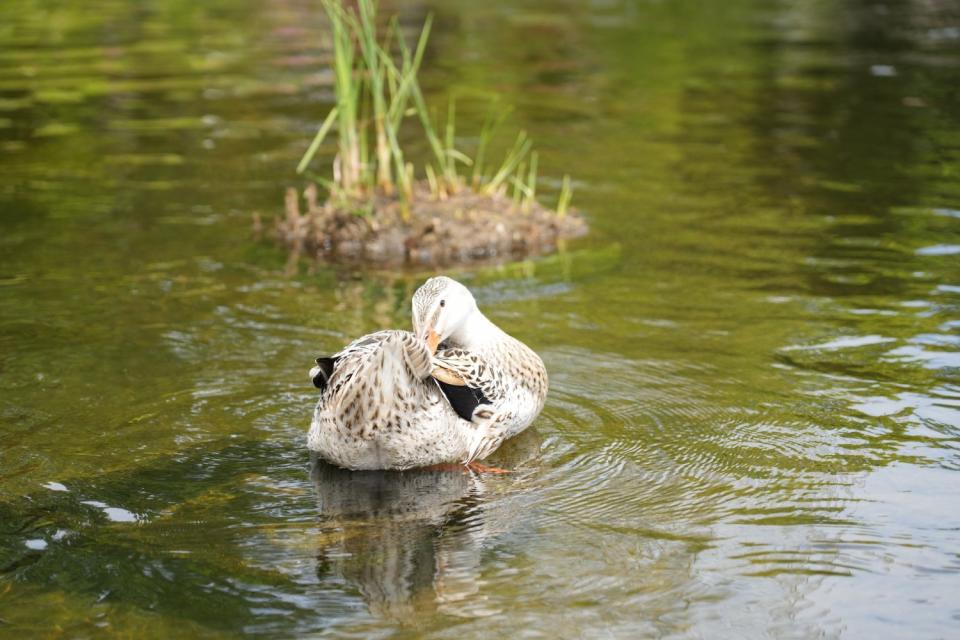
[
  {"x": 566, "y": 193},
  {"x": 375, "y": 81}
]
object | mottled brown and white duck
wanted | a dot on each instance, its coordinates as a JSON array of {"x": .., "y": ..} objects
[{"x": 449, "y": 392}]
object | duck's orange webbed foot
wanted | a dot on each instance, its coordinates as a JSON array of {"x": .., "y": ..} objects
[{"x": 479, "y": 467}]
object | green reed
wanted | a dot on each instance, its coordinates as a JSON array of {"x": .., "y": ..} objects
[
  {"x": 376, "y": 86},
  {"x": 566, "y": 193}
]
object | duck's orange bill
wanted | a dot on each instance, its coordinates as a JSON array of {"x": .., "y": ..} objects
[{"x": 432, "y": 341}]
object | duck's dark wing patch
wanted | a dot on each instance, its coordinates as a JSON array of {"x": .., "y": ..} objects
[
  {"x": 464, "y": 400},
  {"x": 324, "y": 371}
]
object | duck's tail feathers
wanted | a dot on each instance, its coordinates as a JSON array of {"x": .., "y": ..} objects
[
  {"x": 320, "y": 374},
  {"x": 487, "y": 434}
]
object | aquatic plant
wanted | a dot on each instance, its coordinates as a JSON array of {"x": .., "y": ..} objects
[
  {"x": 376, "y": 87},
  {"x": 566, "y": 193}
]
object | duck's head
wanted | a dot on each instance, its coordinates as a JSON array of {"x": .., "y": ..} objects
[{"x": 442, "y": 307}]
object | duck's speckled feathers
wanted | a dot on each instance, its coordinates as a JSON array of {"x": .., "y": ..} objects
[
  {"x": 380, "y": 407},
  {"x": 373, "y": 384}
]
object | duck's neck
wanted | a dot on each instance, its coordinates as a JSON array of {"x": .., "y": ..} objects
[{"x": 476, "y": 332}]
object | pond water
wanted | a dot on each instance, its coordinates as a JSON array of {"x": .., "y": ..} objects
[{"x": 753, "y": 428}]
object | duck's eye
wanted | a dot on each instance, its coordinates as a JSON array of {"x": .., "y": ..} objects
[{"x": 443, "y": 303}]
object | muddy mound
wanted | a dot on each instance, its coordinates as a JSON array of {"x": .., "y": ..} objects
[{"x": 464, "y": 226}]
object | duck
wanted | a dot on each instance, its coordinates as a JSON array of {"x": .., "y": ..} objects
[{"x": 450, "y": 392}]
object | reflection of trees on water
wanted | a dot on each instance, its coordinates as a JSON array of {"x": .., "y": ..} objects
[
  {"x": 852, "y": 117},
  {"x": 855, "y": 112},
  {"x": 838, "y": 133}
]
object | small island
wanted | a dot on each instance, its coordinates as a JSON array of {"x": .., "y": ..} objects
[{"x": 379, "y": 208}]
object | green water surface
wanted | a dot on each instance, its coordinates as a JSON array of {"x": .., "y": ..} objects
[{"x": 754, "y": 418}]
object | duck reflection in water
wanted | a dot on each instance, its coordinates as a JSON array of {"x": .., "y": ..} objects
[{"x": 411, "y": 541}]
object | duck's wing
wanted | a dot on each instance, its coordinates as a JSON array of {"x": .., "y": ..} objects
[
  {"x": 464, "y": 400},
  {"x": 476, "y": 392},
  {"x": 472, "y": 386},
  {"x": 373, "y": 377}
]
